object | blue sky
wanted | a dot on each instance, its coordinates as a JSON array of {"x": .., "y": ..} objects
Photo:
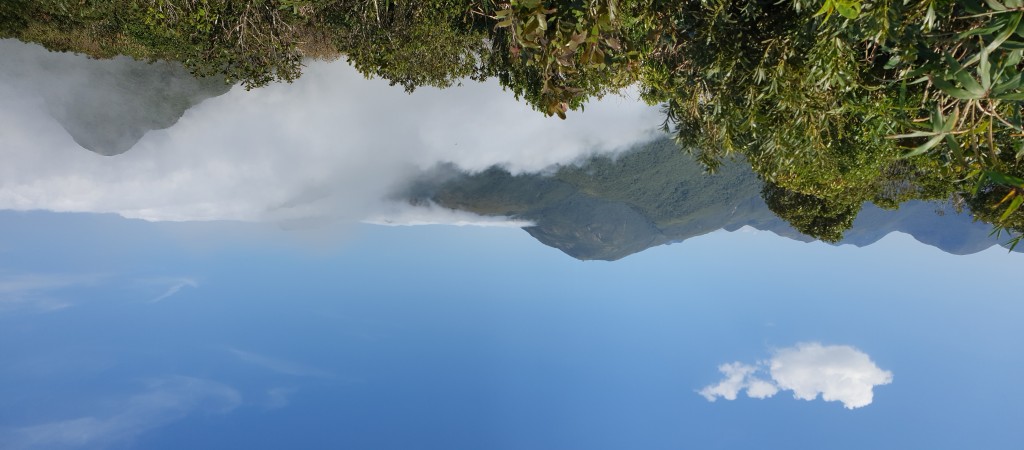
[{"x": 440, "y": 337}]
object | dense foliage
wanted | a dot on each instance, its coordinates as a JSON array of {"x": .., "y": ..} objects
[{"x": 833, "y": 102}]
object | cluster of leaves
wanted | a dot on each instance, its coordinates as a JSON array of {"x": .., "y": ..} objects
[
  {"x": 411, "y": 44},
  {"x": 92, "y": 27},
  {"x": 825, "y": 219},
  {"x": 566, "y": 52},
  {"x": 253, "y": 42},
  {"x": 249, "y": 42},
  {"x": 826, "y": 105},
  {"x": 970, "y": 118}
]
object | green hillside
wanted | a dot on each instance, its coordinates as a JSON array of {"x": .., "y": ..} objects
[{"x": 609, "y": 208}]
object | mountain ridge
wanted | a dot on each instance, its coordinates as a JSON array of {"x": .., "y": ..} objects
[
  {"x": 609, "y": 208},
  {"x": 106, "y": 106}
]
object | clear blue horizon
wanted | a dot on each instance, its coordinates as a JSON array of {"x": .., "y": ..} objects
[{"x": 118, "y": 333}]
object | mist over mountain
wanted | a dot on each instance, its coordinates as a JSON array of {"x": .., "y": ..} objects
[
  {"x": 607, "y": 209},
  {"x": 105, "y": 105}
]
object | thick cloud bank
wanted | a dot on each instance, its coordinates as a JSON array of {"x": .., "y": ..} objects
[
  {"x": 836, "y": 372},
  {"x": 330, "y": 146}
]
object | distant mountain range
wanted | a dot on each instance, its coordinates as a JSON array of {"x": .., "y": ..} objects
[
  {"x": 105, "y": 105},
  {"x": 607, "y": 209}
]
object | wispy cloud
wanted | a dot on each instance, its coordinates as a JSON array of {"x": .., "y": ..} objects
[
  {"x": 278, "y": 365},
  {"x": 835, "y": 372},
  {"x": 16, "y": 284},
  {"x": 279, "y": 397},
  {"x": 404, "y": 214},
  {"x": 176, "y": 285},
  {"x": 39, "y": 292},
  {"x": 164, "y": 400}
]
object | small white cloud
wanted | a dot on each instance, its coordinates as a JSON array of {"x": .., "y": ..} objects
[
  {"x": 164, "y": 401},
  {"x": 836, "y": 372}
]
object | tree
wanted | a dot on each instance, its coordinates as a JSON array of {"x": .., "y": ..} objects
[{"x": 814, "y": 216}]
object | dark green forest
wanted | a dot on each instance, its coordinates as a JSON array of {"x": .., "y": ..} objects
[{"x": 833, "y": 103}]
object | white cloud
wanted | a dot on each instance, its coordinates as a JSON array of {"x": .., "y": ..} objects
[
  {"x": 758, "y": 388},
  {"x": 176, "y": 285},
  {"x": 738, "y": 377},
  {"x": 38, "y": 292},
  {"x": 330, "y": 146},
  {"x": 279, "y": 365},
  {"x": 19, "y": 284},
  {"x": 164, "y": 401},
  {"x": 43, "y": 292},
  {"x": 402, "y": 214},
  {"x": 836, "y": 372}
]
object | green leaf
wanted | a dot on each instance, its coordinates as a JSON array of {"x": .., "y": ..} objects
[
  {"x": 954, "y": 146},
  {"x": 1004, "y": 179},
  {"x": 1008, "y": 30},
  {"x": 893, "y": 62},
  {"x": 826, "y": 8},
  {"x": 1008, "y": 85},
  {"x": 849, "y": 9},
  {"x": 950, "y": 121},
  {"x": 972, "y": 6},
  {"x": 985, "y": 71},
  {"x": 1014, "y": 205},
  {"x": 954, "y": 65},
  {"x": 970, "y": 84},
  {"x": 1013, "y": 242},
  {"x": 953, "y": 91},
  {"x": 923, "y": 147},
  {"x": 1012, "y": 45},
  {"x": 1013, "y": 58},
  {"x": 989, "y": 28},
  {"x": 978, "y": 185},
  {"x": 531, "y": 26},
  {"x": 914, "y": 135},
  {"x": 994, "y": 4}
]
